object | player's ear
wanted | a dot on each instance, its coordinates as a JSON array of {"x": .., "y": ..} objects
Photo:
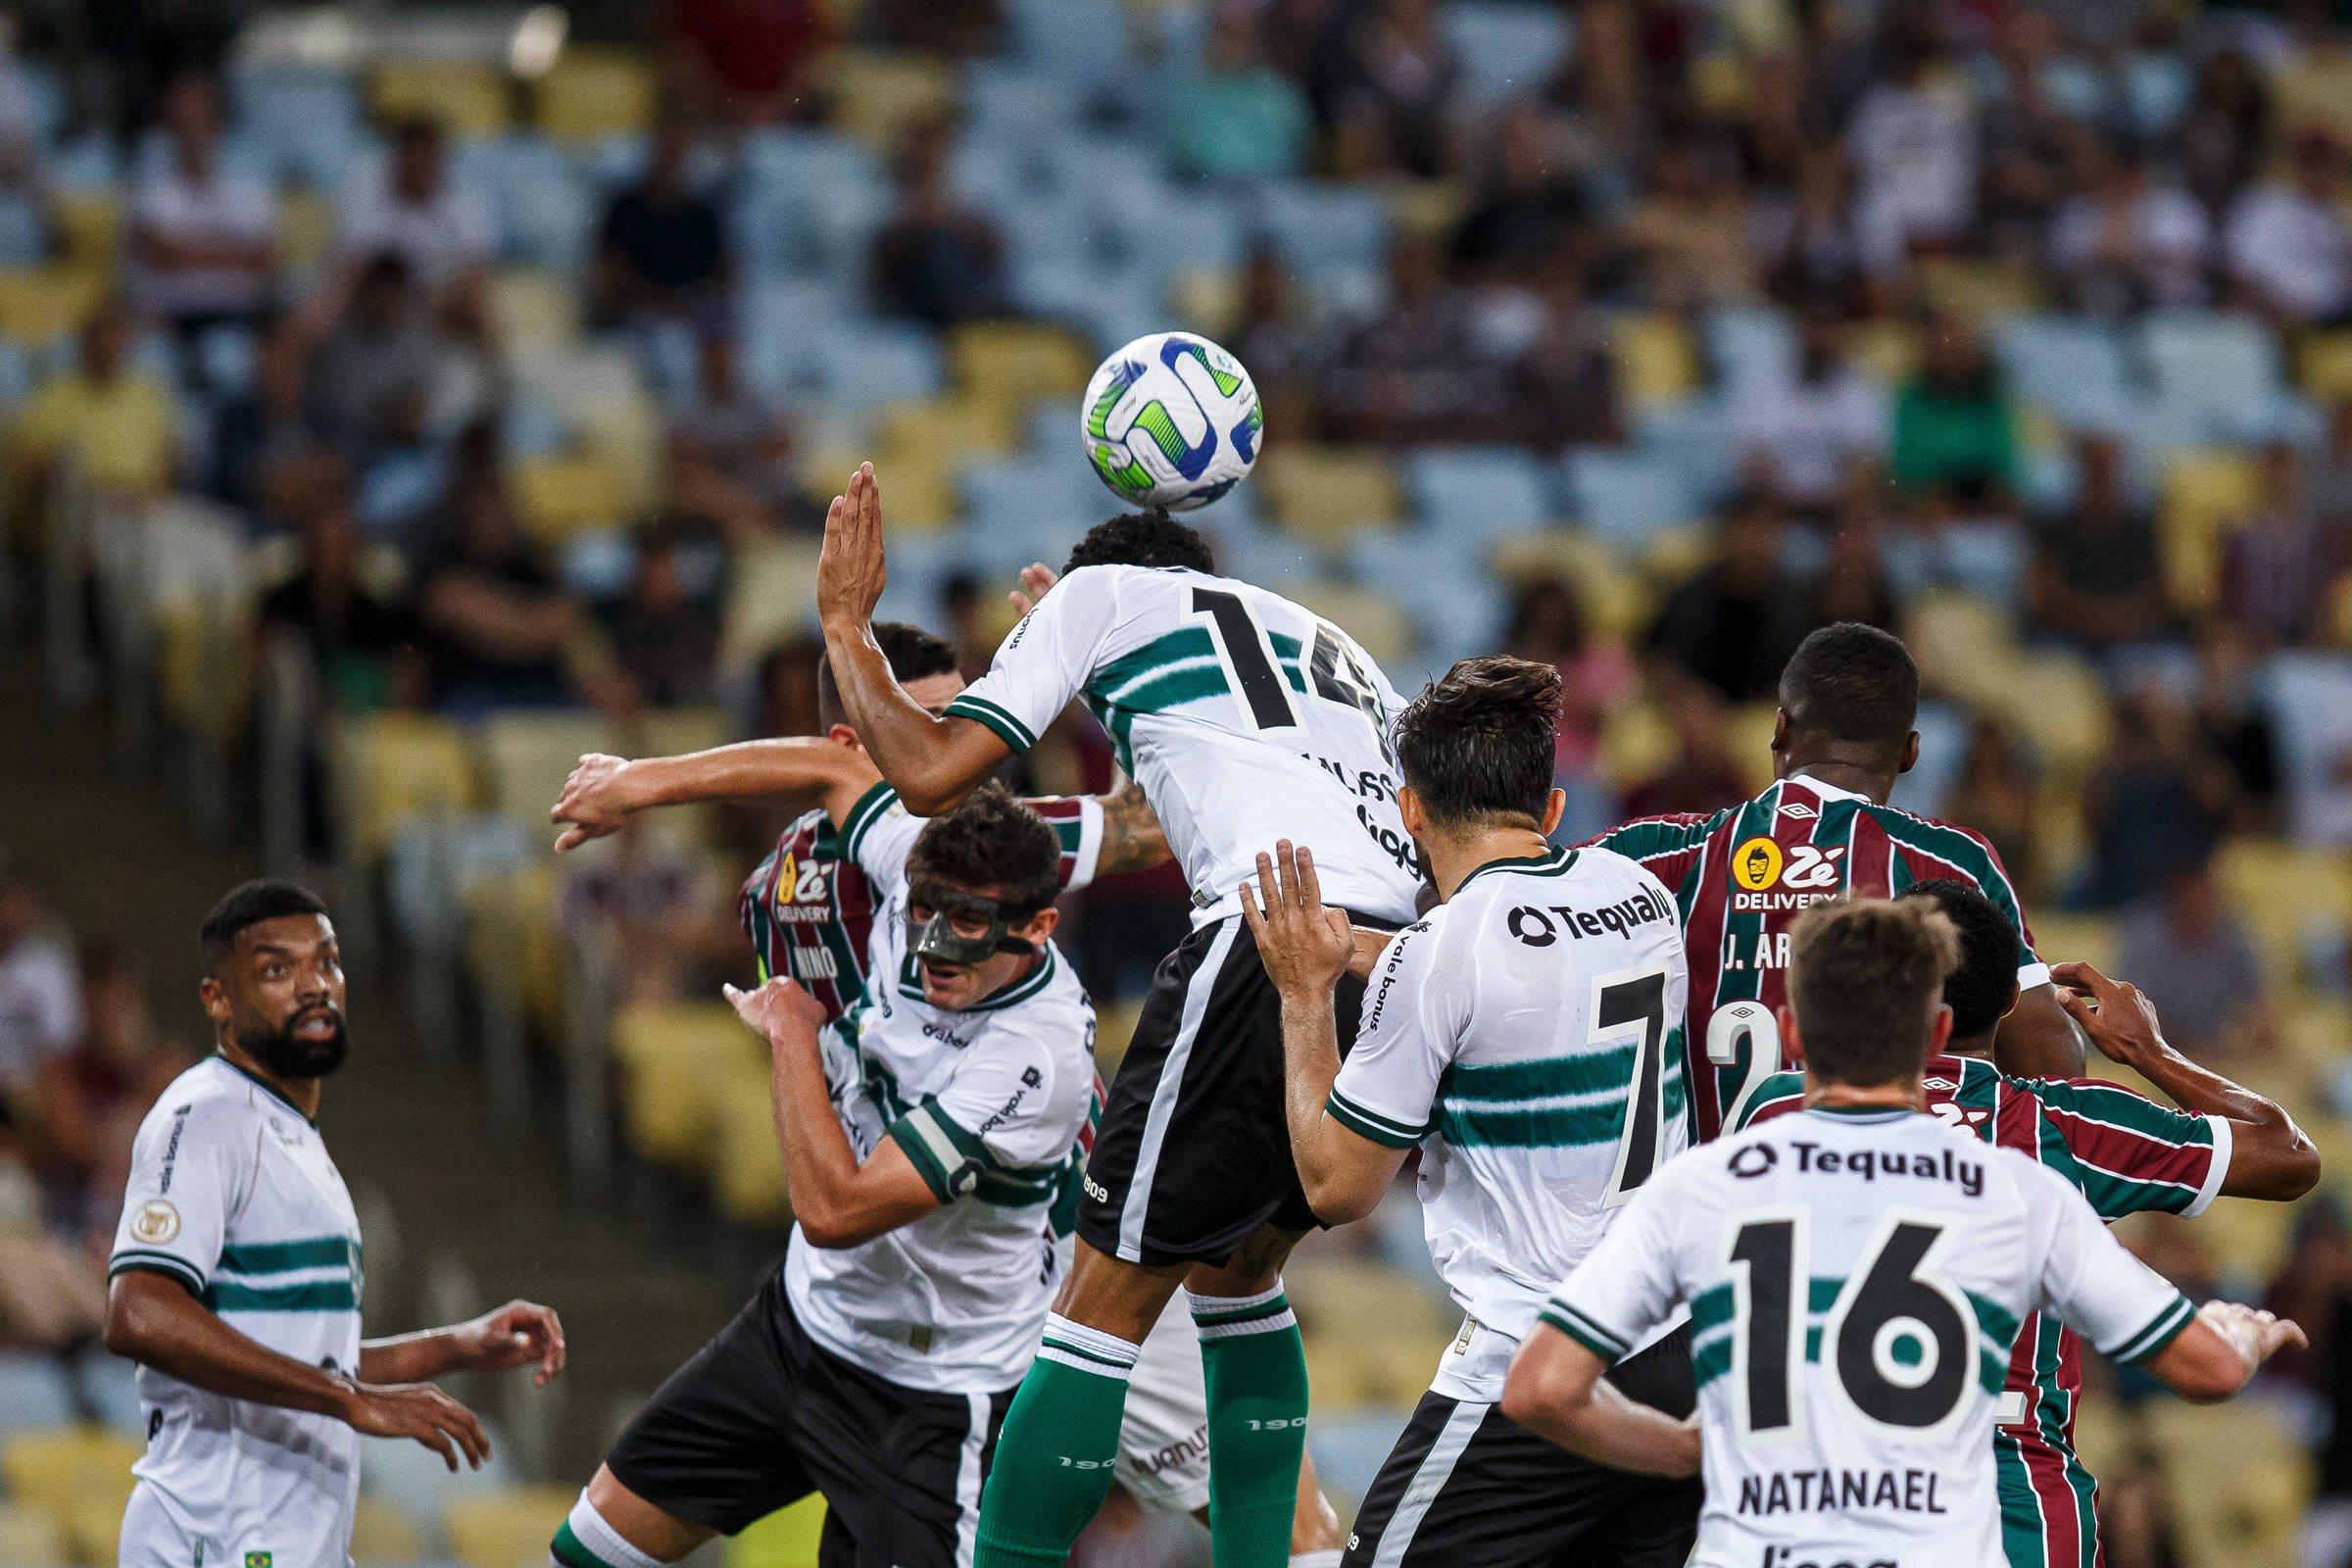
[
  {"x": 2014, "y": 990},
  {"x": 1040, "y": 925},
  {"x": 1793, "y": 1044},
  {"x": 1553, "y": 808},
  {"x": 1910, "y": 752},
  {"x": 1779, "y": 731},
  {"x": 214, "y": 998},
  {"x": 842, "y": 735},
  {"x": 1410, "y": 811},
  {"x": 1940, "y": 1032}
]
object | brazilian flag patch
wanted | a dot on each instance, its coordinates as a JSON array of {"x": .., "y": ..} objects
[{"x": 257, "y": 1559}]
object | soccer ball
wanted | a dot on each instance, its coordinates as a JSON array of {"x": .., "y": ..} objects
[{"x": 1171, "y": 420}]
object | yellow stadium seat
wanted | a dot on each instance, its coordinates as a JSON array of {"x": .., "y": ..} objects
[
  {"x": 2276, "y": 886},
  {"x": 1427, "y": 209},
  {"x": 877, "y": 94},
  {"x": 1617, "y": 603},
  {"x": 89, "y": 228},
  {"x": 1323, "y": 494},
  {"x": 464, "y": 97},
  {"x": 668, "y": 731},
  {"x": 1016, "y": 363},
  {"x": 2245, "y": 1238},
  {"x": 530, "y": 305},
  {"x": 512, "y": 941},
  {"x": 785, "y": 1539},
  {"x": 1636, "y": 742},
  {"x": 1206, "y": 299},
  {"x": 770, "y": 595},
  {"x": 1886, "y": 348},
  {"x": 2202, "y": 493},
  {"x": 1976, "y": 289},
  {"x": 392, "y": 767},
  {"x": 556, "y": 497},
  {"x": 1339, "y": 1378},
  {"x": 590, "y": 93},
  {"x": 2238, "y": 1478},
  {"x": 71, "y": 1475},
  {"x": 1658, "y": 360},
  {"x": 1378, "y": 623},
  {"x": 1376, "y": 1315},
  {"x": 945, "y": 430},
  {"x": 27, "y": 1536},
  {"x": 2324, "y": 364},
  {"x": 529, "y": 752},
  {"x": 747, "y": 1169},
  {"x": 305, "y": 228},
  {"x": 2060, "y": 705},
  {"x": 673, "y": 1056},
  {"x": 2318, "y": 1032},
  {"x": 1964, "y": 645},
  {"x": 36, "y": 303},
  {"x": 508, "y": 1528},
  {"x": 1747, "y": 732},
  {"x": 2063, "y": 937},
  {"x": 93, "y": 1525},
  {"x": 381, "y": 1534},
  {"x": 1719, "y": 77},
  {"x": 200, "y": 667}
]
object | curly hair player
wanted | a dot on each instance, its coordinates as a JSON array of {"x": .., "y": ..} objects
[{"x": 1246, "y": 718}]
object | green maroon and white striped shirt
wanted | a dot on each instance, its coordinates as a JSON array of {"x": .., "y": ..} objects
[
  {"x": 232, "y": 1196},
  {"x": 2127, "y": 1154}
]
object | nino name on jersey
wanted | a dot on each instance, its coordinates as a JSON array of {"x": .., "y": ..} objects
[
  {"x": 1244, "y": 717},
  {"x": 990, "y": 1104},
  {"x": 233, "y": 1194},
  {"x": 1527, "y": 1035},
  {"x": 1856, "y": 1280}
]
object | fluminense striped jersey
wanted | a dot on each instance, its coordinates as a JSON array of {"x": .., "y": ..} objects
[
  {"x": 990, "y": 1104},
  {"x": 1527, "y": 1035},
  {"x": 809, "y": 912},
  {"x": 2127, "y": 1154},
  {"x": 233, "y": 1194},
  {"x": 1244, "y": 717},
  {"x": 1856, "y": 1281},
  {"x": 1742, "y": 876}
]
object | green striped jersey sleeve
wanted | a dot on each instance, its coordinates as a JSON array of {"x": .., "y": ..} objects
[
  {"x": 992, "y": 715},
  {"x": 871, "y": 808},
  {"x": 951, "y": 1161}
]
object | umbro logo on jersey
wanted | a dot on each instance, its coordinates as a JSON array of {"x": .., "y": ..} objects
[{"x": 1798, "y": 808}]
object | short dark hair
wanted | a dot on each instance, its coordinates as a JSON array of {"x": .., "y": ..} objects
[
  {"x": 1479, "y": 741},
  {"x": 1865, "y": 976},
  {"x": 1142, "y": 539},
  {"x": 992, "y": 841},
  {"x": 1985, "y": 986},
  {"x": 1852, "y": 682},
  {"x": 911, "y": 652},
  {"x": 249, "y": 903}
]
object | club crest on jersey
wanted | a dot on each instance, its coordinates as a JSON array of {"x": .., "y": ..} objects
[{"x": 155, "y": 1221}]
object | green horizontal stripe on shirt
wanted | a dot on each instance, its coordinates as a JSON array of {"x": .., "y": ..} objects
[
  {"x": 1367, "y": 1123},
  {"x": 140, "y": 1261},
  {"x": 316, "y": 1295},
  {"x": 1580, "y": 1072},
  {"x": 1189, "y": 642},
  {"x": 1531, "y": 1127},
  {"x": 1711, "y": 1308},
  {"x": 1581, "y": 1328},
  {"x": 281, "y": 1258},
  {"x": 981, "y": 711}
]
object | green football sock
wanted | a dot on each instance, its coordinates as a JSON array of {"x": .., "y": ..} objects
[
  {"x": 1255, "y": 1366},
  {"x": 1054, "y": 1455}
]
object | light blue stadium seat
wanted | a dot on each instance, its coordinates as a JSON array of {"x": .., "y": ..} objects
[
  {"x": 24, "y": 232},
  {"x": 1211, "y": 232},
  {"x": 397, "y": 488},
  {"x": 1749, "y": 342},
  {"x": 16, "y": 371},
  {"x": 1506, "y": 50},
  {"x": 1054, "y": 427},
  {"x": 782, "y": 318},
  {"x": 1318, "y": 225},
  {"x": 998, "y": 490},
  {"x": 2157, "y": 88},
  {"x": 1626, "y": 497},
  {"x": 1441, "y": 581},
  {"x": 45, "y": 104},
  {"x": 532, "y": 429},
  {"x": 864, "y": 363},
  {"x": 1944, "y": 733},
  {"x": 1694, "y": 437},
  {"x": 111, "y": 1384},
  {"x": 2310, "y": 700},
  {"x": 228, "y": 359},
  {"x": 545, "y": 215},
  {"x": 995, "y": 176},
  {"x": 1005, "y": 103},
  {"x": 308, "y": 120},
  {"x": 34, "y": 1391},
  {"x": 86, "y": 163},
  {"x": 1475, "y": 493},
  {"x": 2221, "y": 365},
  {"x": 1093, "y": 165},
  {"x": 241, "y": 155},
  {"x": 2079, "y": 88},
  {"x": 2073, "y": 365},
  {"x": 1082, "y": 42},
  {"x": 613, "y": 163},
  {"x": 597, "y": 565},
  {"x": 1248, "y": 549}
]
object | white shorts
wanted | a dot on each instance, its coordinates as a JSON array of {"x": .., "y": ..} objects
[{"x": 1163, "y": 1443}]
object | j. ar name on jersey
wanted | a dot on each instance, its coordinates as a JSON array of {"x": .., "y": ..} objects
[{"x": 1771, "y": 951}]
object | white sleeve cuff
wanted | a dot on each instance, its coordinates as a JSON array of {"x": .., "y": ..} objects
[
  {"x": 2029, "y": 975},
  {"x": 2224, "y": 1141},
  {"x": 1089, "y": 853}
]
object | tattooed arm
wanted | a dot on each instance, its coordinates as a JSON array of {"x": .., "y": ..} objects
[{"x": 1132, "y": 839}]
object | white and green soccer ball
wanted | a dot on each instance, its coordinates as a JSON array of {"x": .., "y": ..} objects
[{"x": 1171, "y": 420}]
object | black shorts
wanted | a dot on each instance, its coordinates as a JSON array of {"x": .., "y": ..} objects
[
  {"x": 1469, "y": 1488},
  {"x": 1193, "y": 1153},
  {"x": 763, "y": 1415}
]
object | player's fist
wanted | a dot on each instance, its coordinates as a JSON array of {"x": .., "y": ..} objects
[
  {"x": 2119, "y": 1020},
  {"x": 515, "y": 1334},
  {"x": 1305, "y": 947},
  {"x": 2257, "y": 1334},
  {"x": 777, "y": 1008},
  {"x": 421, "y": 1411},
  {"x": 595, "y": 801}
]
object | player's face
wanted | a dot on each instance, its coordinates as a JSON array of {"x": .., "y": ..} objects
[
  {"x": 281, "y": 993},
  {"x": 936, "y": 692},
  {"x": 958, "y": 986}
]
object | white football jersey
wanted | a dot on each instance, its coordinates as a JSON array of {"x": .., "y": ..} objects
[
  {"x": 1527, "y": 1034},
  {"x": 990, "y": 1103},
  {"x": 233, "y": 1194},
  {"x": 1244, "y": 717},
  {"x": 1855, "y": 1279}
]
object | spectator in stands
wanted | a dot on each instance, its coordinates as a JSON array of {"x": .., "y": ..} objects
[
  {"x": 1415, "y": 371},
  {"x": 1529, "y": 207},
  {"x": 2158, "y": 800},
  {"x": 89, "y": 1100},
  {"x": 961, "y": 29},
  {"x": 937, "y": 259},
  {"x": 1607, "y": 97},
  {"x": 2128, "y": 243},
  {"x": 2031, "y": 144},
  {"x": 787, "y": 687},
  {"x": 664, "y": 633},
  {"x": 119, "y": 424},
  {"x": 730, "y": 450},
  {"x": 415, "y": 208},
  {"x": 1236, "y": 118},
  {"x": 203, "y": 238},
  {"x": 498, "y": 629},
  {"x": 2281, "y": 566},
  {"x": 362, "y": 646},
  {"x": 52, "y": 1297},
  {"x": 2190, "y": 956},
  {"x": 1596, "y": 679},
  {"x": 653, "y": 902},
  {"x": 1688, "y": 235},
  {"x": 1564, "y": 388},
  {"x": 40, "y": 998},
  {"x": 374, "y": 378},
  {"x": 1703, "y": 775},
  {"x": 1914, "y": 142},
  {"x": 1805, "y": 247},
  {"x": 1955, "y": 424},
  {"x": 19, "y": 130},
  {"x": 1995, "y": 795},
  {"x": 1809, "y": 437},
  {"x": 1735, "y": 624},
  {"x": 1277, "y": 349},
  {"x": 741, "y": 61},
  {"x": 2288, "y": 245},
  {"x": 2233, "y": 720},
  {"x": 2226, "y": 130},
  {"x": 663, "y": 254},
  {"x": 2097, "y": 580},
  {"x": 1387, "y": 80}
]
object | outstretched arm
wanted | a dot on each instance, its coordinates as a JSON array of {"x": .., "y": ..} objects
[
  {"x": 2270, "y": 1156},
  {"x": 515, "y": 1334},
  {"x": 1132, "y": 837},
  {"x": 932, "y": 763},
  {"x": 2037, "y": 1040},
  {"x": 2220, "y": 1352},
  {"x": 1555, "y": 1389},
  {"x": 603, "y": 791}
]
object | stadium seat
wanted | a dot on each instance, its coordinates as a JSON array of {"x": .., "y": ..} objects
[
  {"x": 1964, "y": 645},
  {"x": 2282, "y": 890},
  {"x": 382, "y": 1535},
  {"x": 2063, "y": 937},
  {"x": 1317, "y": 226},
  {"x": 1375, "y": 619},
  {"x": 559, "y": 495},
  {"x": 867, "y": 364},
  {"x": 2060, "y": 705},
  {"x": 37, "y": 303},
  {"x": 668, "y": 731},
  {"x": 1657, "y": 363},
  {"x": 464, "y": 98},
  {"x": 1749, "y": 343},
  {"x": 532, "y": 306},
  {"x": 2324, "y": 364},
  {"x": 1442, "y": 583},
  {"x": 32, "y": 1537},
  {"x": 1694, "y": 437},
  {"x": 529, "y": 752},
  {"x": 1626, "y": 498},
  {"x": 1477, "y": 493},
  {"x": 2201, "y": 494},
  {"x": 746, "y": 1170},
  {"x": 75, "y": 1475},
  {"x": 590, "y": 93},
  {"x": 877, "y": 94},
  {"x": 1081, "y": 42},
  {"x": 1018, "y": 362},
  {"x": 507, "y": 1528},
  {"x": 1506, "y": 50},
  {"x": 33, "y": 1391},
  {"x": 2220, "y": 365},
  {"x": 2157, "y": 87},
  {"x": 950, "y": 430},
  {"x": 1977, "y": 289},
  {"x": 1012, "y": 107},
  {"x": 1322, "y": 494},
  {"x": 785, "y": 1539},
  {"x": 392, "y": 767},
  {"x": 1636, "y": 742},
  {"x": 2238, "y": 1480},
  {"x": 1617, "y": 603},
  {"x": 2072, "y": 366},
  {"x": 674, "y": 1056}
]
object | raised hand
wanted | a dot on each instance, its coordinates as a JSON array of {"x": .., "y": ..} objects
[
  {"x": 850, "y": 572},
  {"x": 2119, "y": 1020},
  {"x": 421, "y": 1411},
  {"x": 515, "y": 1334},
  {"x": 778, "y": 1006},
  {"x": 593, "y": 801},
  {"x": 1305, "y": 947},
  {"x": 1036, "y": 580}
]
